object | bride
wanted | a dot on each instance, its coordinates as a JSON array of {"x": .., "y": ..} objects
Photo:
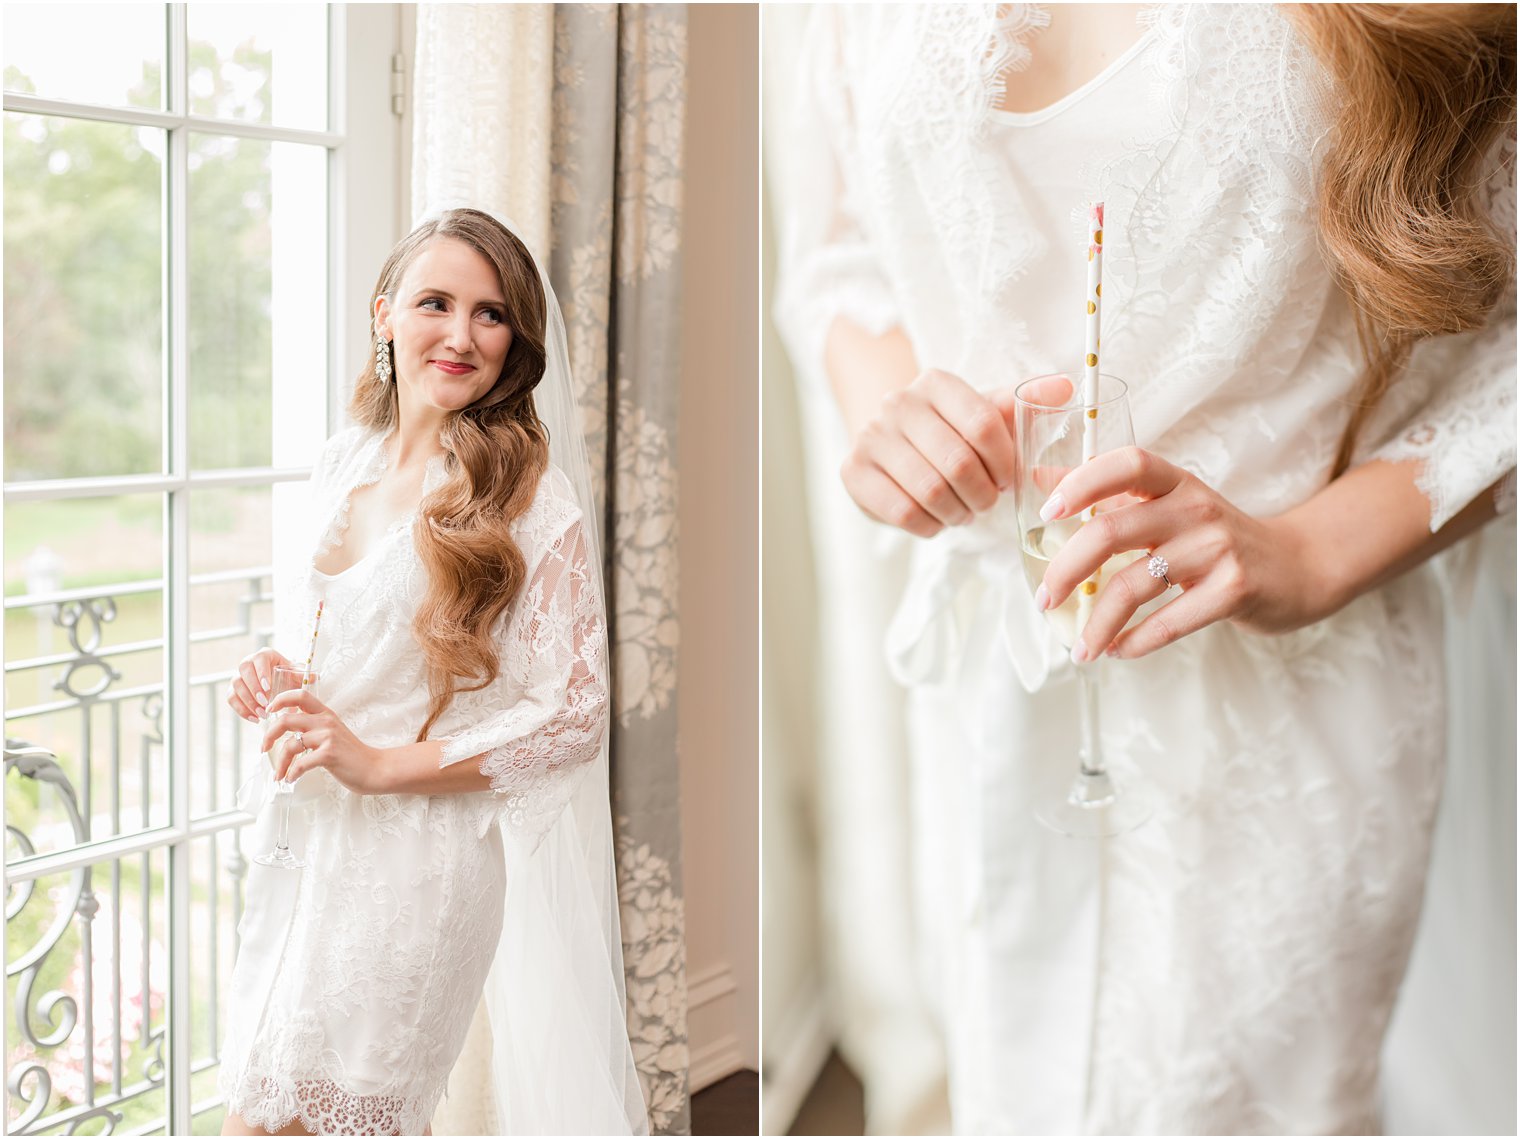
[
  {"x": 1308, "y": 285},
  {"x": 452, "y": 804}
]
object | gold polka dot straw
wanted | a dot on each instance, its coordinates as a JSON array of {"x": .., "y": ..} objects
[
  {"x": 1090, "y": 375},
  {"x": 1093, "y": 325},
  {"x": 312, "y": 652}
]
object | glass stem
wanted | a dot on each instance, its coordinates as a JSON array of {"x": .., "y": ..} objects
[
  {"x": 282, "y": 842},
  {"x": 1087, "y": 695}
]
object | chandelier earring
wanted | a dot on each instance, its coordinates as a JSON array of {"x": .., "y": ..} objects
[{"x": 382, "y": 357}]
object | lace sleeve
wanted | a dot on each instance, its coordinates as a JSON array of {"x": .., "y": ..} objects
[
  {"x": 550, "y": 695},
  {"x": 828, "y": 263},
  {"x": 1463, "y": 431}
]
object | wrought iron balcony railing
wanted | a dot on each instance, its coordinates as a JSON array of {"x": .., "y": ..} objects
[{"x": 80, "y": 969}]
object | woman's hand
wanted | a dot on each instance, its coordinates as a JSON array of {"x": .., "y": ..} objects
[
  {"x": 1253, "y": 571},
  {"x": 325, "y": 741},
  {"x": 248, "y": 693},
  {"x": 936, "y": 453}
]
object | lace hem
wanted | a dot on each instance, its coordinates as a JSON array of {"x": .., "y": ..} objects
[
  {"x": 840, "y": 285},
  {"x": 1463, "y": 438},
  {"x": 325, "y": 1108}
]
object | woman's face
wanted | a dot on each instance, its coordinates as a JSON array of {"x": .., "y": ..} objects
[{"x": 447, "y": 326}]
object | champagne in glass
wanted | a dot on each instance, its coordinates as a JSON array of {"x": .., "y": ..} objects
[
  {"x": 285, "y": 679},
  {"x": 1040, "y": 544},
  {"x": 1051, "y": 421}
]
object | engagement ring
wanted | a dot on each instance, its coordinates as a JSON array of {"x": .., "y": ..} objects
[{"x": 1157, "y": 567}]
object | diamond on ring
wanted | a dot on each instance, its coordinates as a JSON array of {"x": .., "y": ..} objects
[
  {"x": 1157, "y": 567},
  {"x": 300, "y": 741}
]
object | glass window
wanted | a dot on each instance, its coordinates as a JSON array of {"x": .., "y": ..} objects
[
  {"x": 218, "y": 871},
  {"x": 261, "y": 63},
  {"x": 231, "y": 614},
  {"x": 258, "y": 305},
  {"x": 88, "y": 988},
  {"x": 84, "y": 259},
  {"x": 101, "y": 670},
  {"x": 120, "y": 63},
  {"x": 84, "y": 671}
]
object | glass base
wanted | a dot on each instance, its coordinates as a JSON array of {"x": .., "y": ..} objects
[
  {"x": 1096, "y": 806},
  {"x": 281, "y": 860}
]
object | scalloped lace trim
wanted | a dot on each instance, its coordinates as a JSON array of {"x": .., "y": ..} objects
[
  {"x": 324, "y": 1108},
  {"x": 371, "y": 472},
  {"x": 1009, "y": 51}
]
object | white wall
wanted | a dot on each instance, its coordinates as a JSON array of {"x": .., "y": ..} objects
[{"x": 717, "y": 691}]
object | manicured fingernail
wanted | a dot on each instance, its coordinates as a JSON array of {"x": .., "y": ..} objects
[
  {"x": 1052, "y": 508},
  {"x": 1079, "y": 653},
  {"x": 1042, "y": 597},
  {"x": 264, "y": 680}
]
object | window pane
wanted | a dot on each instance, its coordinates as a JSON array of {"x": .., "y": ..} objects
[
  {"x": 262, "y": 63},
  {"x": 218, "y": 871},
  {"x": 83, "y": 298},
  {"x": 257, "y": 302},
  {"x": 114, "y": 54},
  {"x": 105, "y": 952},
  {"x": 84, "y": 676},
  {"x": 230, "y": 617}
]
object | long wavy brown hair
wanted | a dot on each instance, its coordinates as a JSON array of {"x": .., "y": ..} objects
[
  {"x": 497, "y": 450},
  {"x": 1425, "y": 91}
]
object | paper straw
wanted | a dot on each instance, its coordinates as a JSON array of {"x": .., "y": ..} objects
[
  {"x": 312, "y": 652},
  {"x": 1091, "y": 329}
]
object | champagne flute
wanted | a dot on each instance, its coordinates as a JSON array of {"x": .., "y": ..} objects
[
  {"x": 285, "y": 679},
  {"x": 1051, "y": 419}
]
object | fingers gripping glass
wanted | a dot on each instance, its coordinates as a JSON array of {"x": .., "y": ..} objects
[
  {"x": 284, "y": 680},
  {"x": 1051, "y": 421}
]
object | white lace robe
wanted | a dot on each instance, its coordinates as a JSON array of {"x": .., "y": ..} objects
[
  {"x": 1231, "y": 967},
  {"x": 356, "y": 978}
]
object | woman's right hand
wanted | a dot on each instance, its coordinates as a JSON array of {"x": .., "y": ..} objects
[
  {"x": 248, "y": 694},
  {"x": 936, "y": 454}
]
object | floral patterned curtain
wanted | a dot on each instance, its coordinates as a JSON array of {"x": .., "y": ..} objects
[{"x": 572, "y": 124}]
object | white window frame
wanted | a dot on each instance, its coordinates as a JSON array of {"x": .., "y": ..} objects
[{"x": 366, "y": 207}]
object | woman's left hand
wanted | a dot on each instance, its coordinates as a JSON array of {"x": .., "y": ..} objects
[
  {"x": 314, "y": 736},
  {"x": 1230, "y": 566}
]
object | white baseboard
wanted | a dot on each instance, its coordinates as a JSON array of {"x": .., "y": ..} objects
[
  {"x": 716, "y": 1050},
  {"x": 714, "y": 1061},
  {"x": 796, "y": 1050},
  {"x": 711, "y": 984}
]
